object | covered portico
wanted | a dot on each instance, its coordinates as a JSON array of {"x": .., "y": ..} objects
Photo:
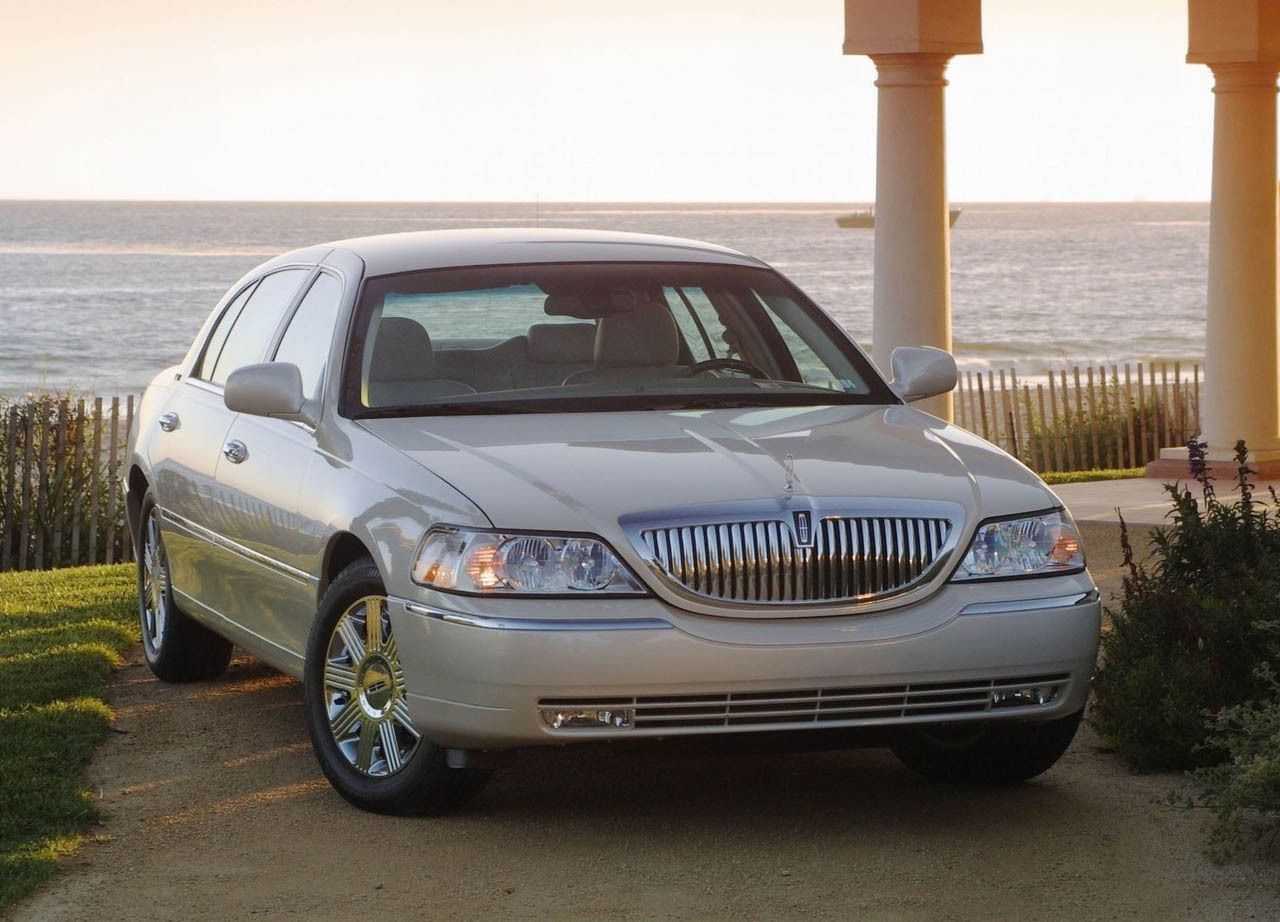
[{"x": 911, "y": 42}]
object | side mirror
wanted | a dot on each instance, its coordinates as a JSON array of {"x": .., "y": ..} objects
[
  {"x": 922, "y": 371},
  {"x": 268, "y": 389}
]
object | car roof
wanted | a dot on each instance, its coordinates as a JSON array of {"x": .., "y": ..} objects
[{"x": 386, "y": 254}]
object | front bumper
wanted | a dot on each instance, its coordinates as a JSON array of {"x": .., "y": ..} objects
[{"x": 476, "y": 681}]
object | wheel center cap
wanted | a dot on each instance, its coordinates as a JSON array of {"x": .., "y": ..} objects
[{"x": 374, "y": 686}]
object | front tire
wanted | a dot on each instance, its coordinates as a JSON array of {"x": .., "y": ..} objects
[
  {"x": 357, "y": 714},
  {"x": 994, "y": 754},
  {"x": 177, "y": 647}
]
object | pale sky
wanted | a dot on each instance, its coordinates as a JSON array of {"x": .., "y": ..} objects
[{"x": 576, "y": 100}]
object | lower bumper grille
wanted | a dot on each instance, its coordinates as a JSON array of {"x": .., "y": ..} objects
[{"x": 816, "y": 706}]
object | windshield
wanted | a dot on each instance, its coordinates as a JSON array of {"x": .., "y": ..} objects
[{"x": 595, "y": 336}]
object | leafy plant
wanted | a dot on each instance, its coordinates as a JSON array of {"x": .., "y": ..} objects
[
  {"x": 1244, "y": 790},
  {"x": 1191, "y": 634}
]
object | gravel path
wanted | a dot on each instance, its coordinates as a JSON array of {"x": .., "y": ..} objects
[{"x": 216, "y": 809}]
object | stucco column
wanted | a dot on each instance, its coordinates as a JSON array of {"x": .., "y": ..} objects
[
  {"x": 1241, "y": 383},
  {"x": 911, "y": 42},
  {"x": 912, "y": 292}
]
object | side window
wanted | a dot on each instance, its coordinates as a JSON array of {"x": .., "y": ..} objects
[
  {"x": 307, "y": 339},
  {"x": 691, "y": 328},
  {"x": 251, "y": 333},
  {"x": 692, "y": 305},
  {"x": 218, "y": 337}
]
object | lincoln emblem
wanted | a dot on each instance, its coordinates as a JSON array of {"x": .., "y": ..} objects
[
  {"x": 789, "y": 466},
  {"x": 804, "y": 535}
]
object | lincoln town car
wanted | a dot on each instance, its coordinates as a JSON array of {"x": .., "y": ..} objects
[{"x": 486, "y": 490}]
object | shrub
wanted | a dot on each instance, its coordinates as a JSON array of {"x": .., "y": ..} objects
[
  {"x": 1191, "y": 637},
  {"x": 1244, "y": 790}
]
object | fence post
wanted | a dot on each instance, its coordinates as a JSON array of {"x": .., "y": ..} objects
[
  {"x": 1094, "y": 462},
  {"x": 41, "y": 483},
  {"x": 1196, "y": 379},
  {"x": 77, "y": 483},
  {"x": 58, "y": 491},
  {"x": 10, "y": 477},
  {"x": 95, "y": 465},
  {"x": 1068, "y": 422},
  {"x": 1048, "y": 444},
  {"x": 1034, "y": 451},
  {"x": 974, "y": 425},
  {"x": 109, "y": 527},
  {"x": 982, "y": 408},
  {"x": 126, "y": 539}
]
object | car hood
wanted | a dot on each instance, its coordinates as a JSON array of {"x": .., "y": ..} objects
[{"x": 581, "y": 472}]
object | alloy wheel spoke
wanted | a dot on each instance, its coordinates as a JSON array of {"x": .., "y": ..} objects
[
  {"x": 364, "y": 748},
  {"x": 373, "y": 623},
  {"x": 339, "y": 677},
  {"x": 342, "y": 724},
  {"x": 390, "y": 745},
  {"x": 400, "y": 713},
  {"x": 351, "y": 638},
  {"x": 392, "y": 652}
]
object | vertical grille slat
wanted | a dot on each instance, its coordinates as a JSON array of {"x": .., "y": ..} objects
[{"x": 759, "y": 561}]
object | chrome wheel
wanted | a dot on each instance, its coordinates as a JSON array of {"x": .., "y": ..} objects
[
  {"x": 364, "y": 691},
  {"x": 155, "y": 585}
]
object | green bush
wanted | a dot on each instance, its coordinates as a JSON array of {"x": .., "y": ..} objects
[
  {"x": 1244, "y": 790},
  {"x": 1191, "y": 637}
]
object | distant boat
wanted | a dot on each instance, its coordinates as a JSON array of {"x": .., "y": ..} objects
[{"x": 866, "y": 217}]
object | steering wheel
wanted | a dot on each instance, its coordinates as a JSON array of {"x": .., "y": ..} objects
[{"x": 746, "y": 368}]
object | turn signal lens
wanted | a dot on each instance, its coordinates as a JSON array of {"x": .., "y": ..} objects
[
  {"x": 466, "y": 560},
  {"x": 1038, "y": 545}
]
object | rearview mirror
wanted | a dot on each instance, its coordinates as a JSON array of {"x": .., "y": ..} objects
[
  {"x": 271, "y": 389},
  {"x": 922, "y": 371}
]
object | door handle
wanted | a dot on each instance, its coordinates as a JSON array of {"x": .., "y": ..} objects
[
  {"x": 169, "y": 421},
  {"x": 235, "y": 451}
]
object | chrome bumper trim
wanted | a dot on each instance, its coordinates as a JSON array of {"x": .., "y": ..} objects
[
  {"x": 538, "y": 624},
  {"x": 1057, "y": 601}
]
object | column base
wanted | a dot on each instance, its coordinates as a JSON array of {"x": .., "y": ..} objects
[{"x": 1173, "y": 465}]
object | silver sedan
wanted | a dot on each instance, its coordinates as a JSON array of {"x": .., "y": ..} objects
[{"x": 484, "y": 490}]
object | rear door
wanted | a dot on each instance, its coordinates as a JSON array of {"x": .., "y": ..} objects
[{"x": 203, "y": 549}]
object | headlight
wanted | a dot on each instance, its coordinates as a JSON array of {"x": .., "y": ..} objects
[
  {"x": 465, "y": 560},
  {"x": 1036, "y": 545}
]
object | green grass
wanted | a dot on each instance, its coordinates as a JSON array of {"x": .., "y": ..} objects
[
  {"x": 61, "y": 634},
  {"x": 1110, "y": 473}
]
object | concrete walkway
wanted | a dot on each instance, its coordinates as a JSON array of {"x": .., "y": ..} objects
[{"x": 1142, "y": 500}]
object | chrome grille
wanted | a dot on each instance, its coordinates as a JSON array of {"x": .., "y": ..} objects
[
  {"x": 851, "y": 558},
  {"x": 858, "y": 704}
]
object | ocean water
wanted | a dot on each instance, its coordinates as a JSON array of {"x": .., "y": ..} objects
[{"x": 99, "y": 296}]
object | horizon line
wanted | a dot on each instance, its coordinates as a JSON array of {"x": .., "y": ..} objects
[{"x": 195, "y": 200}]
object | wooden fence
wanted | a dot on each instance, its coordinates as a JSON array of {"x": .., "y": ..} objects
[
  {"x": 1103, "y": 416},
  {"x": 61, "y": 501}
]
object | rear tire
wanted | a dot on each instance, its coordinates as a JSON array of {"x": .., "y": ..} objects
[
  {"x": 177, "y": 647},
  {"x": 994, "y": 754},
  {"x": 356, "y": 711}
]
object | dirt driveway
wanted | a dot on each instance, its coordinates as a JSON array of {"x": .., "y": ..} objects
[{"x": 216, "y": 809}]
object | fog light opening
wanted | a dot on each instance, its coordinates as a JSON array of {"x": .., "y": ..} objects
[
  {"x": 1022, "y": 697},
  {"x": 589, "y": 718}
]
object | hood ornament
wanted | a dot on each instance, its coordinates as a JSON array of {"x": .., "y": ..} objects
[{"x": 789, "y": 468}]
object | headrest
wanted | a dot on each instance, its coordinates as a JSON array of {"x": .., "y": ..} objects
[
  {"x": 402, "y": 351},
  {"x": 562, "y": 343},
  {"x": 642, "y": 337}
]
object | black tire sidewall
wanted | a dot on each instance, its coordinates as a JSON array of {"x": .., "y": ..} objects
[{"x": 154, "y": 655}]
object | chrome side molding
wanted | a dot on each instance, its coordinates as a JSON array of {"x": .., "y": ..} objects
[
  {"x": 537, "y": 624},
  {"x": 1056, "y": 601}
]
